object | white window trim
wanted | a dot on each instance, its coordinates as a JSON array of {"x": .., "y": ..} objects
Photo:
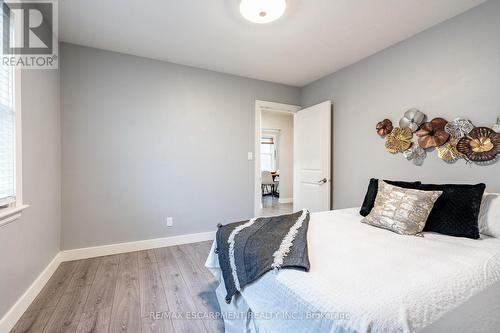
[{"x": 11, "y": 214}]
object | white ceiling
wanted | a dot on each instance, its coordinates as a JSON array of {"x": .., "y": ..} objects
[{"x": 313, "y": 39}]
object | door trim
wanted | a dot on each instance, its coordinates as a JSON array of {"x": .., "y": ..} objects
[{"x": 259, "y": 107}]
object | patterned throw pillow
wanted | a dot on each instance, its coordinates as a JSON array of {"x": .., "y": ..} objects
[
  {"x": 371, "y": 193},
  {"x": 401, "y": 210}
]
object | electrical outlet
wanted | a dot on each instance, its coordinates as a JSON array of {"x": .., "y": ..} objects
[{"x": 170, "y": 221}]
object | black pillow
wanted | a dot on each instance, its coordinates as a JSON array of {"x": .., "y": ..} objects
[
  {"x": 456, "y": 211},
  {"x": 371, "y": 193}
]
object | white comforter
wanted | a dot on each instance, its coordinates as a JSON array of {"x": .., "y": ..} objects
[{"x": 365, "y": 279}]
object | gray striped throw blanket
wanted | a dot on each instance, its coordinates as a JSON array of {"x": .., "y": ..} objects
[{"x": 248, "y": 249}]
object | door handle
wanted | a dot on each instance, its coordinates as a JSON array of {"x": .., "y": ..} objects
[{"x": 322, "y": 181}]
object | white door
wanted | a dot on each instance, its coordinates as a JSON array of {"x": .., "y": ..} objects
[{"x": 312, "y": 158}]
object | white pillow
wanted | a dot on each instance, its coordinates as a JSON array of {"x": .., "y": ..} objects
[{"x": 489, "y": 215}]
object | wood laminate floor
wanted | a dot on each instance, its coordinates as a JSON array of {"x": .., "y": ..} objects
[{"x": 119, "y": 293}]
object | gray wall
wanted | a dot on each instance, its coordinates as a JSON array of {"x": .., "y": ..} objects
[
  {"x": 30, "y": 243},
  {"x": 450, "y": 70},
  {"x": 145, "y": 139}
]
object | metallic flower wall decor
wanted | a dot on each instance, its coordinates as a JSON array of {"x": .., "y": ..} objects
[
  {"x": 458, "y": 128},
  {"x": 482, "y": 144},
  {"x": 384, "y": 127},
  {"x": 415, "y": 153},
  {"x": 449, "y": 152},
  {"x": 398, "y": 140},
  {"x": 412, "y": 119},
  {"x": 432, "y": 134},
  {"x": 452, "y": 140}
]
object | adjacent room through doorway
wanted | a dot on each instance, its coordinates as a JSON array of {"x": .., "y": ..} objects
[
  {"x": 276, "y": 162},
  {"x": 274, "y": 158}
]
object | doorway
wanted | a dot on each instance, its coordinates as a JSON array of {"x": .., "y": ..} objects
[
  {"x": 274, "y": 158},
  {"x": 293, "y": 158}
]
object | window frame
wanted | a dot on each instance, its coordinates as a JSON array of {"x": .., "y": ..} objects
[
  {"x": 13, "y": 213},
  {"x": 272, "y": 154},
  {"x": 275, "y": 135}
]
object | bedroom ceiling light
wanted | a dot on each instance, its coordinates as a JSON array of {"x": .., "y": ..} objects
[{"x": 262, "y": 11}]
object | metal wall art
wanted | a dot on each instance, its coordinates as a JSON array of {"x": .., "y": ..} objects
[
  {"x": 432, "y": 133},
  {"x": 458, "y": 128},
  {"x": 412, "y": 119},
  {"x": 452, "y": 140},
  {"x": 449, "y": 152},
  {"x": 384, "y": 127},
  {"x": 398, "y": 140},
  {"x": 482, "y": 144},
  {"x": 416, "y": 154}
]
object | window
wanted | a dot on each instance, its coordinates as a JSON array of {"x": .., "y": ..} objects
[
  {"x": 269, "y": 149},
  {"x": 10, "y": 139},
  {"x": 7, "y": 137},
  {"x": 267, "y": 154}
]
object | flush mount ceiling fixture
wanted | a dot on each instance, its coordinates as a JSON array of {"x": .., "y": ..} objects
[{"x": 262, "y": 11}]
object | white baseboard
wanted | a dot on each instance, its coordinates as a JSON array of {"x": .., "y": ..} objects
[
  {"x": 16, "y": 311},
  {"x": 104, "y": 250},
  {"x": 285, "y": 200}
]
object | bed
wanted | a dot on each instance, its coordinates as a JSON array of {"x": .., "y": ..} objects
[{"x": 366, "y": 279}]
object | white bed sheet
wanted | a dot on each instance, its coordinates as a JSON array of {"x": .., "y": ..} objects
[{"x": 365, "y": 279}]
